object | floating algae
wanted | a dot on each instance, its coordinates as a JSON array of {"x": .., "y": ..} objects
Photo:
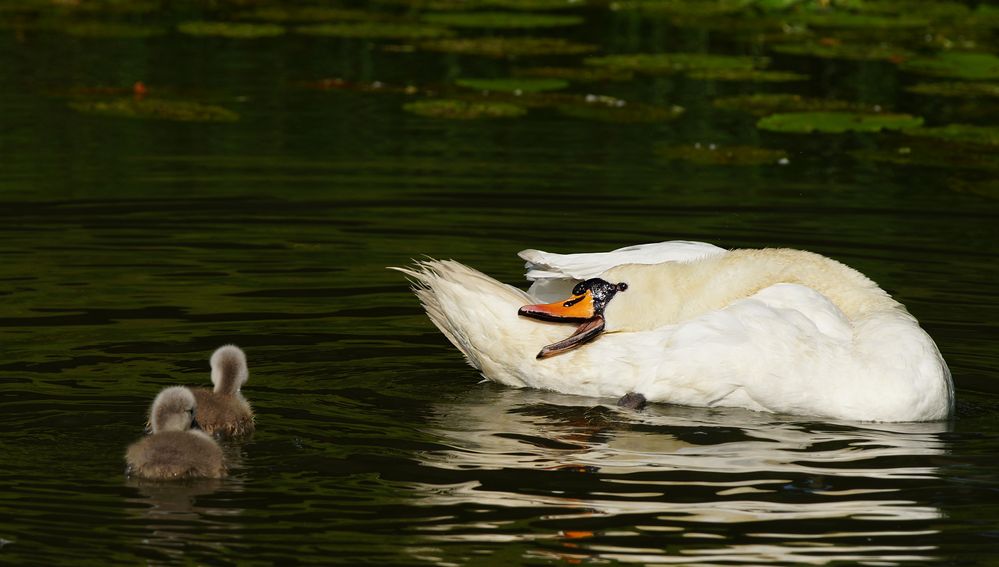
[
  {"x": 178, "y": 111},
  {"x": 837, "y": 122},
  {"x": 376, "y": 30},
  {"x": 711, "y": 154},
  {"x": 769, "y": 103},
  {"x": 230, "y": 30},
  {"x": 575, "y": 74},
  {"x": 959, "y": 133},
  {"x": 956, "y": 65},
  {"x": 522, "y": 85},
  {"x": 507, "y": 46},
  {"x": 464, "y": 109},
  {"x": 609, "y": 109},
  {"x": 671, "y": 63},
  {"x": 962, "y": 89},
  {"x": 500, "y": 20}
]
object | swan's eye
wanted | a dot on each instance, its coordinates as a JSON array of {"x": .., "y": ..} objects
[{"x": 622, "y": 286}]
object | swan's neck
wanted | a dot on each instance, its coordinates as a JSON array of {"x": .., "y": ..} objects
[
  {"x": 228, "y": 376},
  {"x": 670, "y": 293},
  {"x": 227, "y": 384},
  {"x": 170, "y": 420}
]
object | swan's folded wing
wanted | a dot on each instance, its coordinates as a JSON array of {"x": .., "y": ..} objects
[
  {"x": 554, "y": 275},
  {"x": 543, "y": 265}
]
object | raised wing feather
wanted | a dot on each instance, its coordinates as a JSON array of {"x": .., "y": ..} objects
[{"x": 554, "y": 275}]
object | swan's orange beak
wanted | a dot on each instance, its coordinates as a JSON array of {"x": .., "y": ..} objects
[
  {"x": 586, "y": 307},
  {"x": 580, "y": 308},
  {"x": 573, "y": 310}
]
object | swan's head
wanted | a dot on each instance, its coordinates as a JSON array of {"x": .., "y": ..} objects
[
  {"x": 229, "y": 370},
  {"x": 585, "y": 306},
  {"x": 173, "y": 410}
]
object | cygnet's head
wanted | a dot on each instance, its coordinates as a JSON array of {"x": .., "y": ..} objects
[
  {"x": 229, "y": 370},
  {"x": 172, "y": 410}
]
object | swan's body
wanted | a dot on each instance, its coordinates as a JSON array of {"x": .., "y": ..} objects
[
  {"x": 174, "y": 450},
  {"x": 223, "y": 411},
  {"x": 772, "y": 330}
]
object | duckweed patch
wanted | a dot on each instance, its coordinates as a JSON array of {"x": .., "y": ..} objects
[
  {"x": 500, "y": 20},
  {"x": 306, "y": 14},
  {"x": 688, "y": 8},
  {"x": 376, "y": 30},
  {"x": 957, "y": 65},
  {"x": 575, "y": 74},
  {"x": 849, "y": 51},
  {"x": 508, "y": 46},
  {"x": 746, "y": 75},
  {"x": 111, "y": 30},
  {"x": 109, "y": 7},
  {"x": 959, "y": 133},
  {"x": 968, "y": 90},
  {"x": 230, "y": 30},
  {"x": 669, "y": 63},
  {"x": 530, "y": 5},
  {"x": 522, "y": 85},
  {"x": 849, "y": 20},
  {"x": 935, "y": 10},
  {"x": 711, "y": 154},
  {"x": 465, "y": 5},
  {"x": 929, "y": 153},
  {"x": 837, "y": 122},
  {"x": 612, "y": 110},
  {"x": 463, "y": 109},
  {"x": 177, "y": 111},
  {"x": 987, "y": 188},
  {"x": 769, "y": 103}
]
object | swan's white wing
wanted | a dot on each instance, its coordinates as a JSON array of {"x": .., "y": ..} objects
[
  {"x": 789, "y": 349},
  {"x": 554, "y": 275}
]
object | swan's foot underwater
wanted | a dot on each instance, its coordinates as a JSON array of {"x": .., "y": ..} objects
[{"x": 632, "y": 400}]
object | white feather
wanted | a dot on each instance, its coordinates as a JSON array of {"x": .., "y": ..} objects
[
  {"x": 554, "y": 275},
  {"x": 770, "y": 330}
]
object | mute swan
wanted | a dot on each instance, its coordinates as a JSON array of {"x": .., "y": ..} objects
[
  {"x": 687, "y": 323},
  {"x": 174, "y": 450},
  {"x": 223, "y": 411}
]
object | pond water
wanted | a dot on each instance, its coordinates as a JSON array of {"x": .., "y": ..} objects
[{"x": 132, "y": 246}]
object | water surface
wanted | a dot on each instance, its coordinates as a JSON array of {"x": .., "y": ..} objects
[{"x": 130, "y": 249}]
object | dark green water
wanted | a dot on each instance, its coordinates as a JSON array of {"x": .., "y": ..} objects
[{"x": 131, "y": 248}]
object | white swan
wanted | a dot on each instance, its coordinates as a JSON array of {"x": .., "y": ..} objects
[{"x": 688, "y": 323}]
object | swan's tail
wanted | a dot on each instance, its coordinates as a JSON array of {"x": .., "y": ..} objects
[{"x": 478, "y": 314}]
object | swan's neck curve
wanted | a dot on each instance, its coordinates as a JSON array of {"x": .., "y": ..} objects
[{"x": 672, "y": 292}]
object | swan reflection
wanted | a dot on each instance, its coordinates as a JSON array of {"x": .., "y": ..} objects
[{"x": 690, "y": 485}]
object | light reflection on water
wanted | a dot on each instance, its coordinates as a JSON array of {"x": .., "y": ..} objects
[{"x": 674, "y": 471}]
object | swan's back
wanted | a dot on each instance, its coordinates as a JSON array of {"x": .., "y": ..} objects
[
  {"x": 172, "y": 455},
  {"x": 223, "y": 415}
]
